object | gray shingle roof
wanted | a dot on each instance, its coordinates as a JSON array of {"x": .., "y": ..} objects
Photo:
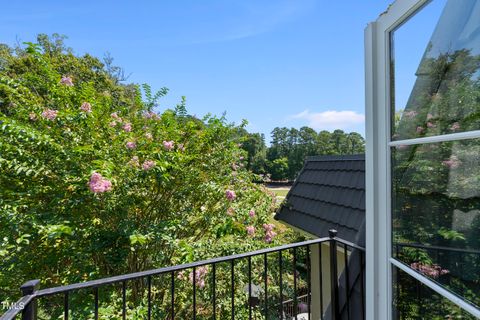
[{"x": 329, "y": 193}]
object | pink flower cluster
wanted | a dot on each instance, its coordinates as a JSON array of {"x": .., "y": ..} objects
[
  {"x": 131, "y": 145},
  {"x": 181, "y": 147},
  {"x": 86, "y": 107},
  {"x": 49, "y": 114},
  {"x": 269, "y": 233},
  {"x": 433, "y": 271},
  {"x": 148, "y": 164},
  {"x": 251, "y": 231},
  {"x": 127, "y": 127},
  {"x": 149, "y": 115},
  {"x": 431, "y": 125},
  {"x": 99, "y": 184},
  {"x": 455, "y": 126},
  {"x": 168, "y": 145},
  {"x": 200, "y": 274},
  {"x": 116, "y": 119},
  {"x": 251, "y": 213},
  {"x": 230, "y": 194},
  {"x": 116, "y": 116},
  {"x": 67, "y": 81},
  {"x": 420, "y": 129},
  {"x": 452, "y": 163}
]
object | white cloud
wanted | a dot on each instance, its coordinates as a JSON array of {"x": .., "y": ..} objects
[{"x": 331, "y": 119}]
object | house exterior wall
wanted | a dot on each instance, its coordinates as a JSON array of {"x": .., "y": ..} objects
[{"x": 322, "y": 267}]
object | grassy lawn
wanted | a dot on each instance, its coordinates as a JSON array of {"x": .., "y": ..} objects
[{"x": 279, "y": 192}]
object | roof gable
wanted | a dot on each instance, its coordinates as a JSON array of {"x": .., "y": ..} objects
[{"x": 329, "y": 193}]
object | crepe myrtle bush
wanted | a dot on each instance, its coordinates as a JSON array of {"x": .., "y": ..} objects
[{"x": 98, "y": 180}]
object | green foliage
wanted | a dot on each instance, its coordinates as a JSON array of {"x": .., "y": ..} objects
[
  {"x": 295, "y": 145},
  {"x": 279, "y": 169},
  {"x": 167, "y": 201},
  {"x": 435, "y": 185},
  {"x": 254, "y": 144}
]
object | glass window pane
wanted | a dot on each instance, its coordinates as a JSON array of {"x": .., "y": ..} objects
[
  {"x": 435, "y": 85},
  {"x": 436, "y": 213},
  {"x": 413, "y": 300}
]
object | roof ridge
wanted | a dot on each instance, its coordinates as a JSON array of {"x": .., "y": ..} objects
[{"x": 347, "y": 157}]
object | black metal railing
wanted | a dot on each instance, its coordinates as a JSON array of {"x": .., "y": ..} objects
[{"x": 290, "y": 264}]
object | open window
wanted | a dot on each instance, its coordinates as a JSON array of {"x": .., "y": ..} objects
[{"x": 423, "y": 161}]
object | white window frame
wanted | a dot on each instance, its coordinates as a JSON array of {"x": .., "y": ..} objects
[{"x": 378, "y": 188}]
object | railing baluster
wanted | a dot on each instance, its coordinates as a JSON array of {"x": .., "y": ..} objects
[
  {"x": 362, "y": 285},
  {"x": 265, "y": 266},
  {"x": 194, "y": 293},
  {"x": 281, "y": 282},
  {"x": 334, "y": 275},
  {"x": 65, "y": 306},
  {"x": 29, "y": 311},
  {"x": 214, "y": 291},
  {"x": 149, "y": 281},
  {"x": 124, "y": 300},
  {"x": 295, "y": 303},
  {"x": 250, "y": 288},
  {"x": 95, "y": 292},
  {"x": 232, "y": 274},
  {"x": 309, "y": 284},
  {"x": 172, "y": 293},
  {"x": 347, "y": 280},
  {"x": 321, "y": 279}
]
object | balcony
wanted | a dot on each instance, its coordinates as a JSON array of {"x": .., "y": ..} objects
[{"x": 317, "y": 279}]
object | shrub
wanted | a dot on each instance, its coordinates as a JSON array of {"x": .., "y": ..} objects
[{"x": 95, "y": 182}]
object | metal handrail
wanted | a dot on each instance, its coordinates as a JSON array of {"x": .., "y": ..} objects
[
  {"x": 31, "y": 294},
  {"x": 19, "y": 307},
  {"x": 154, "y": 272}
]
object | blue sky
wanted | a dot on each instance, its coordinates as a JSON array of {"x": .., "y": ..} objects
[{"x": 274, "y": 63}]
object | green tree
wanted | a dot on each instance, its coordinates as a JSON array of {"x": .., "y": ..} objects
[
  {"x": 254, "y": 144},
  {"x": 323, "y": 145},
  {"x": 278, "y": 169},
  {"x": 296, "y": 145},
  {"x": 94, "y": 182},
  {"x": 280, "y": 144}
]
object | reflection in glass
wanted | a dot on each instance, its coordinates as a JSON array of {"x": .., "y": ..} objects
[
  {"x": 446, "y": 93},
  {"x": 436, "y": 213},
  {"x": 413, "y": 300}
]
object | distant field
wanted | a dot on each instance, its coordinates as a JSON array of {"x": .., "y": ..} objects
[{"x": 279, "y": 192}]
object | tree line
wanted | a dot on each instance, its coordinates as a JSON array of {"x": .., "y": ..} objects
[{"x": 289, "y": 148}]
